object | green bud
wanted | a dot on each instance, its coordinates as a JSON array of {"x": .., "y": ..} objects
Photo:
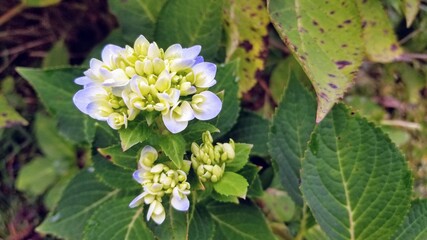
[
  {"x": 217, "y": 171},
  {"x": 195, "y": 149},
  {"x": 229, "y": 149},
  {"x": 207, "y": 137},
  {"x": 200, "y": 170},
  {"x": 214, "y": 179}
]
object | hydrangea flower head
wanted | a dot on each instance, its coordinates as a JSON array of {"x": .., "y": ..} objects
[{"x": 145, "y": 78}]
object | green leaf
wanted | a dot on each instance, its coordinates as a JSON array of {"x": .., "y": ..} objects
[
  {"x": 55, "y": 88},
  {"x": 50, "y": 142},
  {"x": 57, "y": 56},
  {"x": 8, "y": 116},
  {"x": 415, "y": 224},
  {"x": 242, "y": 151},
  {"x": 115, "y": 220},
  {"x": 290, "y": 131},
  {"x": 315, "y": 233},
  {"x": 355, "y": 180},
  {"x": 81, "y": 198},
  {"x": 326, "y": 39},
  {"x": 224, "y": 198},
  {"x": 226, "y": 81},
  {"x": 252, "y": 128},
  {"x": 173, "y": 145},
  {"x": 381, "y": 43},
  {"x": 36, "y": 176},
  {"x": 410, "y": 8},
  {"x": 201, "y": 224},
  {"x": 282, "y": 73},
  {"x": 175, "y": 225},
  {"x": 136, "y": 17},
  {"x": 280, "y": 206},
  {"x": 136, "y": 132},
  {"x": 52, "y": 197},
  {"x": 191, "y": 22},
  {"x": 246, "y": 27},
  {"x": 39, "y": 3},
  {"x": 250, "y": 172},
  {"x": 232, "y": 184},
  {"x": 243, "y": 221},
  {"x": 105, "y": 136},
  {"x": 193, "y": 133},
  {"x": 115, "y": 154},
  {"x": 113, "y": 175}
]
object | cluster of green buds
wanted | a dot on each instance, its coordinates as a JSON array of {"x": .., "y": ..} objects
[
  {"x": 209, "y": 161},
  {"x": 158, "y": 180}
]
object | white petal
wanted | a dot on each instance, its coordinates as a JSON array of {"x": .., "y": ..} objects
[
  {"x": 138, "y": 200},
  {"x": 83, "y": 80},
  {"x": 210, "y": 108},
  {"x": 159, "y": 218},
  {"x": 140, "y": 42},
  {"x": 109, "y": 53},
  {"x": 117, "y": 78},
  {"x": 198, "y": 60},
  {"x": 181, "y": 64},
  {"x": 173, "y": 52},
  {"x": 151, "y": 209},
  {"x": 163, "y": 82},
  {"x": 204, "y": 73},
  {"x": 136, "y": 176},
  {"x": 87, "y": 95},
  {"x": 99, "y": 110},
  {"x": 187, "y": 112},
  {"x": 180, "y": 204},
  {"x": 192, "y": 52},
  {"x": 148, "y": 152},
  {"x": 95, "y": 63},
  {"x": 153, "y": 51},
  {"x": 172, "y": 125}
]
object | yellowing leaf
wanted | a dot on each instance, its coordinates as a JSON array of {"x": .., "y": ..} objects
[
  {"x": 246, "y": 26},
  {"x": 8, "y": 116},
  {"x": 410, "y": 8},
  {"x": 380, "y": 41},
  {"x": 326, "y": 39}
]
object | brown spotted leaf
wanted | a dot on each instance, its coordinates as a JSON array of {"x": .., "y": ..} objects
[
  {"x": 410, "y": 8},
  {"x": 381, "y": 43},
  {"x": 8, "y": 116},
  {"x": 246, "y": 26},
  {"x": 326, "y": 38}
]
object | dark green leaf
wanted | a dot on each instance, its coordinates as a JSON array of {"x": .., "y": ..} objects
[
  {"x": 226, "y": 81},
  {"x": 201, "y": 224},
  {"x": 116, "y": 155},
  {"x": 113, "y": 175},
  {"x": 253, "y": 129},
  {"x": 58, "y": 56},
  {"x": 136, "y": 132},
  {"x": 250, "y": 172},
  {"x": 175, "y": 225},
  {"x": 81, "y": 198},
  {"x": 415, "y": 224},
  {"x": 137, "y": 17},
  {"x": 193, "y": 133},
  {"x": 244, "y": 221},
  {"x": 115, "y": 220},
  {"x": 189, "y": 23},
  {"x": 56, "y": 88},
  {"x": 355, "y": 180},
  {"x": 289, "y": 134}
]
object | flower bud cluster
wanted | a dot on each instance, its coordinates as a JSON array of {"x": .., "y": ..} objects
[
  {"x": 145, "y": 78},
  {"x": 158, "y": 180},
  {"x": 209, "y": 161}
]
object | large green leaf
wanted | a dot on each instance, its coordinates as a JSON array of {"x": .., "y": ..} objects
[
  {"x": 326, "y": 38},
  {"x": 201, "y": 224},
  {"x": 115, "y": 154},
  {"x": 137, "y": 17},
  {"x": 252, "y": 128},
  {"x": 244, "y": 221},
  {"x": 381, "y": 43},
  {"x": 36, "y": 176},
  {"x": 113, "y": 175},
  {"x": 81, "y": 198},
  {"x": 175, "y": 225},
  {"x": 8, "y": 116},
  {"x": 290, "y": 131},
  {"x": 415, "y": 224},
  {"x": 227, "y": 82},
  {"x": 242, "y": 151},
  {"x": 191, "y": 22},
  {"x": 355, "y": 180},
  {"x": 116, "y": 220},
  {"x": 56, "y": 88},
  {"x": 246, "y": 26}
]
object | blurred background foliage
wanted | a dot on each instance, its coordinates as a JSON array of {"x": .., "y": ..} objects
[{"x": 36, "y": 162}]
